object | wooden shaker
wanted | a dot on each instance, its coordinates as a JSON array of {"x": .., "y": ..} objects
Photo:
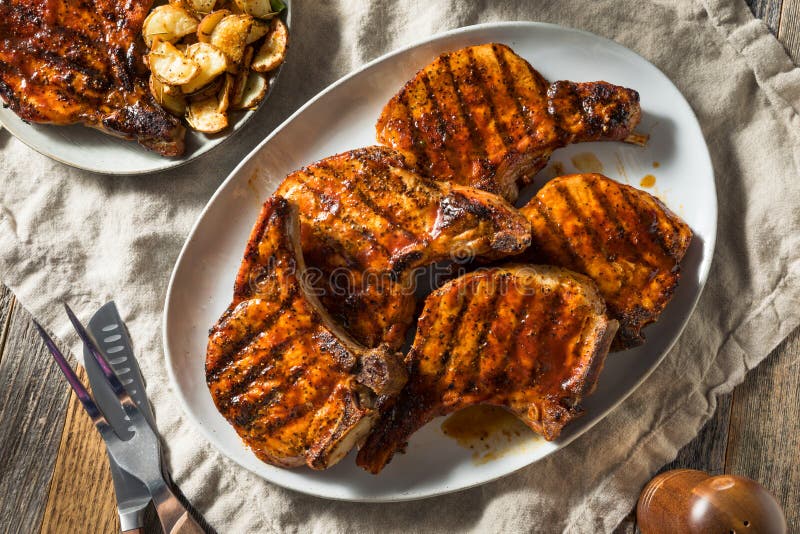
[{"x": 690, "y": 501}]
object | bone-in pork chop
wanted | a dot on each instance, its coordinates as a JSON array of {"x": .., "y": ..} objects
[
  {"x": 370, "y": 223},
  {"x": 70, "y": 61},
  {"x": 295, "y": 387},
  {"x": 482, "y": 116},
  {"x": 528, "y": 338},
  {"x": 624, "y": 239}
]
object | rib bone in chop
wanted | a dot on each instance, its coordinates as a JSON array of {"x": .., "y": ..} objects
[
  {"x": 529, "y": 338},
  {"x": 71, "y": 61},
  {"x": 624, "y": 239},
  {"x": 482, "y": 116},
  {"x": 295, "y": 387},
  {"x": 370, "y": 223}
]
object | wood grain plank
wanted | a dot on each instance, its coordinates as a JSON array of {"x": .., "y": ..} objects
[
  {"x": 81, "y": 497},
  {"x": 789, "y": 30},
  {"x": 764, "y": 437},
  {"x": 7, "y": 301},
  {"x": 33, "y": 397},
  {"x": 767, "y": 10}
]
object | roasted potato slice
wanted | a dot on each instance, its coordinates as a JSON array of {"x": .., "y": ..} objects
[
  {"x": 169, "y": 96},
  {"x": 224, "y": 97},
  {"x": 255, "y": 89},
  {"x": 230, "y": 35},
  {"x": 258, "y": 30},
  {"x": 161, "y": 87},
  {"x": 201, "y": 56},
  {"x": 169, "y": 23},
  {"x": 169, "y": 65},
  {"x": 197, "y": 8},
  {"x": 247, "y": 58},
  {"x": 202, "y": 6},
  {"x": 208, "y": 23},
  {"x": 273, "y": 51},
  {"x": 204, "y": 116},
  {"x": 241, "y": 77},
  {"x": 211, "y": 89},
  {"x": 231, "y": 5},
  {"x": 257, "y": 8},
  {"x": 211, "y": 62}
]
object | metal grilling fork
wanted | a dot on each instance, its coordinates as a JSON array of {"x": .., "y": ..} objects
[{"x": 140, "y": 455}]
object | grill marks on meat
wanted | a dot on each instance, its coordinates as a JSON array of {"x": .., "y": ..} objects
[
  {"x": 72, "y": 61},
  {"x": 532, "y": 339},
  {"x": 295, "y": 387},
  {"x": 482, "y": 116},
  {"x": 625, "y": 239},
  {"x": 370, "y": 223}
]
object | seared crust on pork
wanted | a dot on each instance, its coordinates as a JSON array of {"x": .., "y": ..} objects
[
  {"x": 369, "y": 225},
  {"x": 624, "y": 239},
  {"x": 532, "y": 339},
  {"x": 482, "y": 116},
  {"x": 295, "y": 387}
]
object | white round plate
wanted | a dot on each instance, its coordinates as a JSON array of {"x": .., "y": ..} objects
[
  {"x": 343, "y": 117},
  {"x": 92, "y": 150}
]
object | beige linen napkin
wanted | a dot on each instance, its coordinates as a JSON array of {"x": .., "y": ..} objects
[{"x": 70, "y": 235}]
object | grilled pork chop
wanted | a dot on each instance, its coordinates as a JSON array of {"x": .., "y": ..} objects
[
  {"x": 529, "y": 338},
  {"x": 625, "y": 239},
  {"x": 295, "y": 387},
  {"x": 482, "y": 116},
  {"x": 73, "y": 62},
  {"x": 370, "y": 223}
]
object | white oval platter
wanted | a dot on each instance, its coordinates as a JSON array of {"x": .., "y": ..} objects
[{"x": 343, "y": 117}]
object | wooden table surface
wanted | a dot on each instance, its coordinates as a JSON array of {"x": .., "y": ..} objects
[{"x": 54, "y": 475}]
